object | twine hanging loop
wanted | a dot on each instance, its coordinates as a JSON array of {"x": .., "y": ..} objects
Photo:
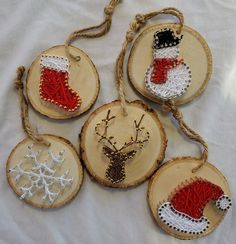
[
  {"x": 93, "y": 31},
  {"x": 25, "y": 109},
  {"x": 169, "y": 106}
]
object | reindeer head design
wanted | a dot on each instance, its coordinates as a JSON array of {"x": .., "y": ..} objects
[{"x": 119, "y": 156}]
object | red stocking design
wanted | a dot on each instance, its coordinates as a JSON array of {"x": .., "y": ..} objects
[{"x": 54, "y": 85}]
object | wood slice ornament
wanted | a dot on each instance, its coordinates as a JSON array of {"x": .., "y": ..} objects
[
  {"x": 122, "y": 143},
  {"x": 43, "y": 170},
  {"x": 78, "y": 82},
  {"x": 191, "y": 205},
  {"x": 170, "y": 61},
  {"x": 62, "y": 81},
  {"x": 122, "y": 151},
  {"x": 195, "y": 201},
  {"x": 197, "y": 198}
]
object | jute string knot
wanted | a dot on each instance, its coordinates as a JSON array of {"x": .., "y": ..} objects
[
  {"x": 108, "y": 11},
  {"x": 140, "y": 18},
  {"x": 19, "y": 74},
  {"x": 135, "y": 26},
  {"x": 24, "y": 109},
  {"x": 129, "y": 36},
  {"x": 169, "y": 106}
]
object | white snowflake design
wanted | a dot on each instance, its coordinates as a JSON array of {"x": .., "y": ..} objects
[{"x": 42, "y": 175}]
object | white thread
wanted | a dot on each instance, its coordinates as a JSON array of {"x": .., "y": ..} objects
[
  {"x": 178, "y": 80},
  {"x": 55, "y": 62},
  {"x": 181, "y": 222},
  {"x": 42, "y": 175},
  {"x": 168, "y": 52},
  {"x": 223, "y": 202}
]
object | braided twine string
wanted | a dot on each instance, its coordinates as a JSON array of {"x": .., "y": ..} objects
[
  {"x": 93, "y": 31},
  {"x": 169, "y": 106},
  {"x": 135, "y": 26},
  {"x": 25, "y": 109}
]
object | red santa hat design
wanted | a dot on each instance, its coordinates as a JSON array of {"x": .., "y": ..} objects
[{"x": 184, "y": 210}]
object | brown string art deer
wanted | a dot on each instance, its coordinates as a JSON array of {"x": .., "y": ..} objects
[{"x": 118, "y": 157}]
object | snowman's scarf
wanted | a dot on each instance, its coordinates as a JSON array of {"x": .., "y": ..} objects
[{"x": 161, "y": 66}]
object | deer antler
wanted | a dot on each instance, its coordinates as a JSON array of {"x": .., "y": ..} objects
[
  {"x": 103, "y": 136},
  {"x": 135, "y": 140}
]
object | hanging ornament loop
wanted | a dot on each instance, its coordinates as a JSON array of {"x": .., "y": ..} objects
[
  {"x": 24, "y": 109},
  {"x": 94, "y": 31},
  {"x": 169, "y": 106},
  {"x": 135, "y": 26},
  {"x": 172, "y": 11}
]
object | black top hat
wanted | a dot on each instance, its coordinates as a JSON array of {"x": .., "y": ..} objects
[{"x": 166, "y": 38}]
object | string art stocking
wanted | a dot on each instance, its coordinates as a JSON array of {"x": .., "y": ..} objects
[
  {"x": 43, "y": 170},
  {"x": 175, "y": 67},
  {"x": 54, "y": 86},
  {"x": 62, "y": 81}
]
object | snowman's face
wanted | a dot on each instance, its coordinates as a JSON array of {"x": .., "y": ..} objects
[{"x": 168, "y": 52}]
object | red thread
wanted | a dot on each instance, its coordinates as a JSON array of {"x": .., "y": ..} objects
[
  {"x": 160, "y": 68},
  {"x": 193, "y": 197},
  {"x": 54, "y": 88}
]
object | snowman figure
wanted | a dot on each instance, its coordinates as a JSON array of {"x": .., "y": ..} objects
[{"x": 168, "y": 76}]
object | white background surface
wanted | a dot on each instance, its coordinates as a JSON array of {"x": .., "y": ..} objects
[{"x": 98, "y": 214}]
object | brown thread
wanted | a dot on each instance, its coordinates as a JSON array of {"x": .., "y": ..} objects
[
  {"x": 138, "y": 22},
  {"x": 115, "y": 171},
  {"x": 93, "y": 31},
  {"x": 169, "y": 106},
  {"x": 25, "y": 110}
]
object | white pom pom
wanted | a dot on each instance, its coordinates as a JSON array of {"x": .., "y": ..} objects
[{"x": 223, "y": 203}]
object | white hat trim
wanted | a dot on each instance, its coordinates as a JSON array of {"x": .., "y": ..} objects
[{"x": 181, "y": 222}]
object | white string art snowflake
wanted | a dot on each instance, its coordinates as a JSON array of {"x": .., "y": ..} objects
[{"x": 42, "y": 175}]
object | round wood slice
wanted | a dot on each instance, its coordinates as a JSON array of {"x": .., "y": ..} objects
[
  {"x": 83, "y": 78},
  {"x": 71, "y": 163},
  {"x": 144, "y": 163},
  {"x": 193, "y": 49},
  {"x": 179, "y": 170}
]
